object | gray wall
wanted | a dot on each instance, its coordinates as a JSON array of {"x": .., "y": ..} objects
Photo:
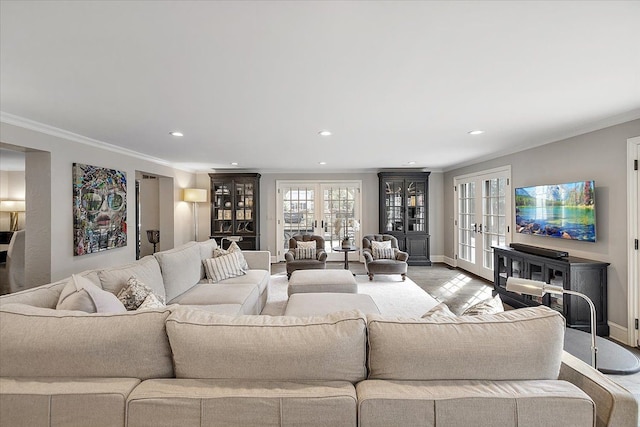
[{"x": 599, "y": 155}]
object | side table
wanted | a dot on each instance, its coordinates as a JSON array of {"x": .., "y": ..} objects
[{"x": 346, "y": 251}]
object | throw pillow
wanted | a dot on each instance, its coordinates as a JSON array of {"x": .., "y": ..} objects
[
  {"x": 382, "y": 250},
  {"x": 487, "y": 306},
  {"x": 134, "y": 293},
  {"x": 82, "y": 294},
  {"x": 223, "y": 267},
  {"x": 305, "y": 253},
  {"x": 310, "y": 244},
  {"x": 151, "y": 301},
  {"x": 233, "y": 248},
  {"x": 440, "y": 310}
]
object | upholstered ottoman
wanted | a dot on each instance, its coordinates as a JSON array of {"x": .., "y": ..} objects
[
  {"x": 322, "y": 281},
  {"x": 319, "y": 304}
]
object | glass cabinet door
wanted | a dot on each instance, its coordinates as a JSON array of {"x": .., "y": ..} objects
[
  {"x": 244, "y": 208},
  {"x": 222, "y": 207},
  {"x": 416, "y": 211},
  {"x": 394, "y": 206}
]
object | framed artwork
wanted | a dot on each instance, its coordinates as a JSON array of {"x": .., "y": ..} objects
[{"x": 99, "y": 209}]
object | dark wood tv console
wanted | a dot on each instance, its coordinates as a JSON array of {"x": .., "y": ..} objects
[{"x": 576, "y": 274}]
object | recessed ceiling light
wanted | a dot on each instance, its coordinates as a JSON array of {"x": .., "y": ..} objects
[
  {"x": 176, "y": 133},
  {"x": 234, "y": 163},
  {"x": 322, "y": 163},
  {"x": 476, "y": 132},
  {"x": 324, "y": 133},
  {"x": 411, "y": 162}
]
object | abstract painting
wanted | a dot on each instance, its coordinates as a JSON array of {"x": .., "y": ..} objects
[{"x": 99, "y": 209}]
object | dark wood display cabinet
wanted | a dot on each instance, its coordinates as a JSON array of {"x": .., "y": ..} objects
[
  {"x": 235, "y": 200},
  {"x": 404, "y": 212},
  {"x": 572, "y": 273}
]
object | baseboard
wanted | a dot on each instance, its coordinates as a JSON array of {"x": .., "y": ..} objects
[
  {"x": 618, "y": 333},
  {"x": 437, "y": 258},
  {"x": 449, "y": 261}
]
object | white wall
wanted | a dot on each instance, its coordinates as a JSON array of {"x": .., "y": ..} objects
[
  {"x": 64, "y": 152},
  {"x": 599, "y": 155}
]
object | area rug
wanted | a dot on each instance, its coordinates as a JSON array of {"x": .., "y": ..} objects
[{"x": 392, "y": 296}]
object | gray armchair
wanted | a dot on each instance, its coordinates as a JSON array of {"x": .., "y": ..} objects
[
  {"x": 293, "y": 264},
  {"x": 397, "y": 265}
]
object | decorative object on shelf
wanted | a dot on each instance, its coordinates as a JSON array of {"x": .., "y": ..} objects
[
  {"x": 14, "y": 207},
  {"x": 153, "y": 236},
  {"x": 195, "y": 195},
  {"x": 99, "y": 209},
  {"x": 227, "y": 204},
  {"x": 241, "y": 204},
  {"x": 539, "y": 289}
]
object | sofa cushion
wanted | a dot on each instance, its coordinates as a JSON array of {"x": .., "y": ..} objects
[
  {"x": 147, "y": 270},
  {"x": 259, "y": 278},
  {"x": 326, "y": 348},
  {"x": 206, "y": 251},
  {"x": 198, "y": 402},
  {"x": 473, "y": 403},
  {"x": 46, "y": 401},
  {"x": 530, "y": 339},
  {"x": 221, "y": 293},
  {"x": 180, "y": 268},
  {"x": 223, "y": 267},
  {"x": 38, "y": 342},
  {"x": 81, "y": 294}
]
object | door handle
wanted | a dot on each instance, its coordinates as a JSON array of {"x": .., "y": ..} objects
[
  {"x": 480, "y": 229},
  {"x": 475, "y": 227}
]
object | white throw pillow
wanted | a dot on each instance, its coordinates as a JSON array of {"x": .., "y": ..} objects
[
  {"x": 382, "y": 250},
  {"x": 440, "y": 310},
  {"x": 223, "y": 267},
  {"x": 81, "y": 294},
  {"x": 310, "y": 244},
  {"x": 487, "y": 306}
]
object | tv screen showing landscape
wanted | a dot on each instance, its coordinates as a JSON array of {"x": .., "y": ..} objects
[{"x": 566, "y": 211}]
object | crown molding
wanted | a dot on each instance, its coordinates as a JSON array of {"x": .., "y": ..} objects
[{"x": 25, "y": 123}]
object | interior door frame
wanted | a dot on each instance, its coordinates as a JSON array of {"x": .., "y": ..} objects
[
  {"x": 479, "y": 175},
  {"x": 280, "y": 184},
  {"x": 633, "y": 227}
]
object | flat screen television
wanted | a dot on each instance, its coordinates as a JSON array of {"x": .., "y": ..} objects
[{"x": 566, "y": 211}]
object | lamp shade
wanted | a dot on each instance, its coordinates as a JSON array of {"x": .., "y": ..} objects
[
  {"x": 12, "y": 206},
  {"x": 525, "y": 286},
  {"x": 196, "y": 195}
]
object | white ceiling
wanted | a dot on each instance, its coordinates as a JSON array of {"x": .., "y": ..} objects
[{"x": 254, "y": 82}]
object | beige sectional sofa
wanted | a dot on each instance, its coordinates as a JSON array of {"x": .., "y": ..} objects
[
  {"x": 178, "y": 275},
  {"x": 192, "y": 366}
]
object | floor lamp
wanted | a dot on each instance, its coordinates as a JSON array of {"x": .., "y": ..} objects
[
  {"x": 13, "y": 207},
  {"x": 538, "y": 289},
  {"x": 195, "y": 196}
]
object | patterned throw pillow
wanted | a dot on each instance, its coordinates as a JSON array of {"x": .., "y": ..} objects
[
  {"x": 224, "y": 267},
  {"x": 487, "y": 306},
  {"x": 134, "y": 293},
  {"x": 382, "y": 250},
  {"x": 310, "y": 244},
  {"x": 150, "y": 302},
  {"x": 233, "y": 248},
  {"x": 305, "y": 253}
]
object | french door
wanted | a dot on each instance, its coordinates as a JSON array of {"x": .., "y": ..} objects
[
  {"x": 330, "y": 209},
  {"x": 633, "y": 176},
  {"x": 483, "y": 218}
]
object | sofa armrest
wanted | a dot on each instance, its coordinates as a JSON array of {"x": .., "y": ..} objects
[
  {"x": 289, "y": 256},
  {"x": 615, "y": 406},
  {"x": 322, "y": 255},
  {"x": 368, "y": 257},
  {"x": 258, "y": 260}
]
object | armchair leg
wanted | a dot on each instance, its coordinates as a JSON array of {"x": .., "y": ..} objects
[
  {"x": 288, "y": 276},
  {"x": 404, "y": 276},
  {"x": 370, "y": 276}
]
